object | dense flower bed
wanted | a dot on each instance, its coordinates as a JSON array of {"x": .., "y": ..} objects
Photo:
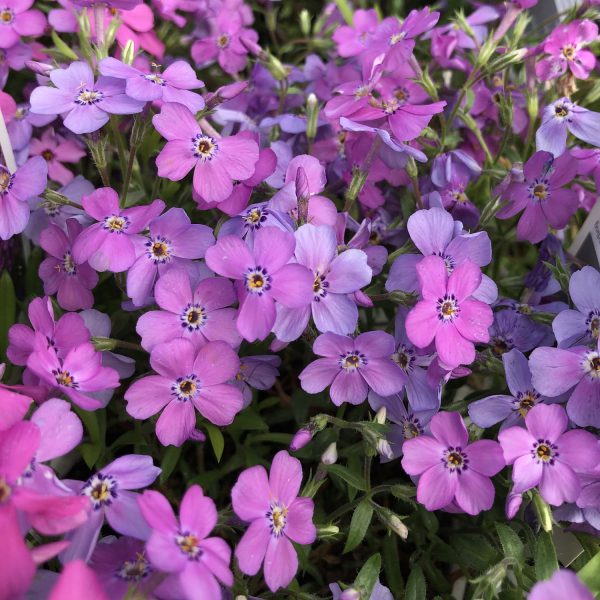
[{"x": 323, "y": 323}]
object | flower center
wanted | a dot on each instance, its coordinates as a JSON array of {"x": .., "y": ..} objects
[
  {"x": 134, "y": 570},
  {"x": 448, "y": 308},
  {"x": 204, "y": 147},
  {"x": 254, "y": 218},
  {"x": 154, "y": 78},
  {"x": 116, "y": 224},
  {"x": 258, "y": 280},
  {"x": 185, "y": 388},
  {"x": 362, "y": 91},
  {"x": 48, "y": 155},
  {"x": 401, "y": 94},
  {"x": 404, "y": 358},
  {"x": 525, "y": 401},
  {"x": 6, "y": 180},
  {"x": 277, "y": 516},
  {"x": 158, "y": 249},
  {"x": 88, "y": 97},
  {"x": 544, "y": 452},
  {"x": 397, "y": 37},
  {"x": 193, "y": 317},
  {"x": 319, "y": 287},
  {"x": 64, "y": 378},
  {"x": 223, "y": 41},
  {"x": 459, "y": 196},
  {"x": 501, "y": 345},
  {"x": 538, "y": 190},
  {"x": 411, "y": 427},
  {"x": 7, "y": 16},
  {"x": 68, "y": 264},
  {"x": 455, "y": 460},
  {"x": 351, "y": 361},
  {"x": 523, "y": 309},
  {"x": 5, "y": 490},
  {"x": 101, "y": 490},
  {"x": 591, "y": 364},
  {"x": 189, "y": 544},
  {"x": 593, "y": 323},
  {"x": 569, "y": 52},
  {"x": 560, "y": 110}
]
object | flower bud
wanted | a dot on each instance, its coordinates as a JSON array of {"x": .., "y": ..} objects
[
  {"x": 305, "y": 22},
  {"x": 128, "y": 53},
  {"x": 384, "y": 449},
  {"x": 277, "y": 68},
  {"x": 39, "y": 68},
  {"x": 302, "y": 438},
  {"x": 543, "y": 511},
  {"x": 330, "y": 456},
  {"x": 103, "y": 343},
  {"x": 326, "y": 531},
  {"x": 350, "y": 594},
  {"x": 392, "y": 521},
  {"x": 381, "y": 415},
  {"x": 312, "y": 116}
]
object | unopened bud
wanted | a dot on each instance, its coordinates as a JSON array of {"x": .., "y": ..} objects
[
  {"x": 111, "y": 32},
  {"x": 327, "y": 531},
  {"x": 392, "y": 521},
  {"x": 305, "y": 22},
  {"x": 384, "y": 449},
  {"x": 350, "y": 594},
  {"x": 39, "y": 68},
  {"x": 302, "y": 438},
  {"x": 277, "y": 68},
  {"x": 381, "y": 415},
  {"x": 543, "y": 511},
  {"x": 330, "y": 456},
  {"x": 411, "y": 168},
  {"x": 103, "y": 343}
]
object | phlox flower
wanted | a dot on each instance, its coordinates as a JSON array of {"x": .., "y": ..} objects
[
  {"x": 181, "y": 547},
  {"x": 17, "y": 19},
  {"x": 566, "y": 47},
  {"x": 199, "y": 313},
  {"x": 71, "y": 281},
  {"x": 77, "y": 580},
  {"x": 448, "y": 314},
  {"x": 13, "y": 58},
  {"x": 172, "y": 240},
  {"x": 258, "y": 372},
  {"x": 187, "y": 379},
  {"x": 109, "y": 495},
  {"x": 564, "y": 116},
  {"x": 563, "y": 584},
  {"x": 544, "y": 454},
  {"x": 20, "y": 128},
  {"x": 276, "y": 515},
  {"x": 171, "y": 85},
  {"x": 352, "y": 40},
  {"x": 16, "y": 189},
  {"x": 450, "y": 468},
  {"x": 55, "y": 150},
  {"x": 217, "y": 163},
  {"x": 336, "y": 276},
  {"x": 352, "y": 366},
  {"x": 108, "y": 244},
  {"x": 264, "y": 276},
  {"x": 88, "y": 104},
  {"x": 542, "y": 196}
]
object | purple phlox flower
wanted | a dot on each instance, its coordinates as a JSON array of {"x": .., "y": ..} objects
[
  {"x": 13, "y": 405},
  {"x": 167, "y": 9},
  {"x": 13, "y": 58},
  {"x": 108, "y": 244},
  {"x": 353, "y": 366},
  {"x": 187, "y": 379},
  {"x": 448, "y": 313},
  {"x": 540, "y": 278},
  {"x": 580, "y": 326},
  {"x": 510, "y": 409},
  {"x": 585, "y": 519},
  {"x": 121, "y": 565},
  {"x": 242, "y": 190},
  {"x": 512, "y": 330},
  {"x": 16, "y": 189},
  {"x": 435, "y": 233},
  {"x": 182, "y": 548},
  {"x": 44, "y": 212},
  {"x": 566, "y": 47},
  {"x": 541, "y": 196},
  {"x": 352, "y": 40},
  {"x": 335, "y": 277},
  {"x": 263, "y": 277},
  {"x": 78, "y": 374},
  {"x": 61, "y": 274},
  {"x": 88, "y": 104},
  {"x": 77, "y": 580},
  {"x": 171, "y": 85},
  {"x": 588, "y": 163},
  {"x": 172, "y": 240},
  {"x": 109, "y": 495},
  {"x": 217, "y": 163},
  {"x": 455, "y": 200},
  {"x": 256, "y": 372},
  {"x": 380, "y": 592},
  {"x": 555, "y": 371},
  {"x": 228, "y": 43},
  {"x": 321, "y": 78},
  {"x": 562, "y": 584},
  {"x": 305, "y": 179},
  {"x": 276, "y": 514},
  {"x": 450, "y": 468},
  {"x": 365, "y": 238},
  {"x": 55, "y": 149},
  {"x": 590, "y": 490},
  {"x": 21, "y": 127},
  {"x": 564, "y": 115},
  {"x": 17, "y": 19},
  {"x": 544, "y": 454},
  {"x": 118, "y": 4},
  {"x": 198, "y": 311}
]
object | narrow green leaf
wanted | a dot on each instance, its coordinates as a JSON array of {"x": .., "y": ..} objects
[
  {"x": 368, "y": 576},
  {"x": 416, "y": 587},
  {"x": 545, "y": 556},
  {"x": 391, "y": 560},
  {"x": 345, "y": 11},
  {"x": 353, "y": 480},
  {"x": 8, "y": 310},
  {"x": 216, "y": 439},
  {"x": 169, "y": 462},
  {"x": 511, "y": 543},
  {"x": 590, "y": 574},
  {"x": 358, "y": 525},
  {"x": 62, "y": 47},
  {"x": 90, "y": 453}
]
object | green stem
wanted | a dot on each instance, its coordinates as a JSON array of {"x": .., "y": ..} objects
[
  {"x": 128, "y": 171},
  {"x": 119, "y": 143}
]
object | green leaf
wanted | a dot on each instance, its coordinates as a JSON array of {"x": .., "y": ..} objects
[
  {"x": 359, "y": 525},
  {"x": 545, "y": 556},
  {"x": 169, "y": 462},
  {"x": 590, "y": 574},
  {"x": 345, "y": 11},
  {"x": 8, "y": 310},
  {"x": 216, "y": 439},
  {"x": 62, "y": 47},
  {"x": 90, "y": 453},
  {"x": 391, "y": 560},
  {"x": 416, "y": 587},
  {"x": 511, "y": 543},
  {"x": 368, "y": 576},
  {"x": 353, "y": 480}
]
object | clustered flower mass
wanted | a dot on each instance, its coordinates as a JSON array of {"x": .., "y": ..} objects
[{"x": 288, "y": 306}]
